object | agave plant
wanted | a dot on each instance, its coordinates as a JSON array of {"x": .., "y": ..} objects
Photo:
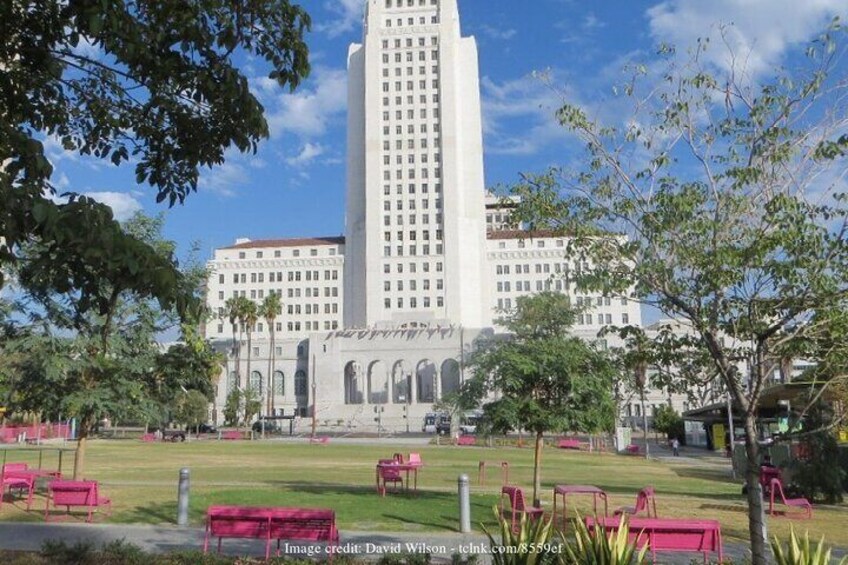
[
  {"x": 799, "y": 551},
  {"x": 595, "y": 548},
  {"x": 532, "y": 544}
]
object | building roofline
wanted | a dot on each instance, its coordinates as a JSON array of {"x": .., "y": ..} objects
[{"x": 288, "y": 242}]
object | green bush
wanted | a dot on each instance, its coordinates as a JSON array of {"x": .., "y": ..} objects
[
  {"x": 819, "y": 476},
  {"x": 801, "y": 552},
  {"x": 595, "y": 548},
  {"x": 532, "y": 544}
]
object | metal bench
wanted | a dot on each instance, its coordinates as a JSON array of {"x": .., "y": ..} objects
[
  {"x": 297, "y": 524},
  {"x": 79, "y": 494}
]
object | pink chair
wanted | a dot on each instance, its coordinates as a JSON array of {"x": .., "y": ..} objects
[
  {"x": 645, "y": 501},
  {"x": 517, "y": 507},
  {"x": 9, "y": 480},
  {"x": 777, "y": 487},
  {"x": 84, "y": 494},
  {"x": 388, "y": 475},
  {"x": 398, "y": 457},
  {"x": 415, "y": 459}
]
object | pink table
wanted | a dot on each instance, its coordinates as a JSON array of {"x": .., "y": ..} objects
[
  {"x": 565, "y": 490},
  {"x": 400, "y": 467}
]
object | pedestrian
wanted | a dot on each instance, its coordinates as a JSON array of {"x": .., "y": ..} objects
[{"x": 675, "y": 447}]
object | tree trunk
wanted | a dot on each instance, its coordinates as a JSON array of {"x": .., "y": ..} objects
[
  {"x": 537, "y": 468},
  {"x": 79, "y": 456},
  {"x": 756, "y": 517}
]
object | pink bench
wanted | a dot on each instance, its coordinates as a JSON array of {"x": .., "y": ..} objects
[
  {"x": 632, "y": 449},
  {"x": 14, "y": 476},
  {"x": 571, "y": 444},
  {"x": 80, "y": 494},
  {"x": 777, "y": 487},
  {"x": 668, "y": 534},
  {"x": 148, "y": 438},
  {"x": 466, "y": 440},
  {"x": 322, "y": 439},
  {"x": 231, "y": 435},
  {"x": 297, "y": 524}
]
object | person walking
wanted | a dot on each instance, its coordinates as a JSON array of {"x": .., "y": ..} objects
[{"x": 675, "y": 447}]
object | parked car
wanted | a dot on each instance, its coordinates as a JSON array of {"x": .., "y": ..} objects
[
  {"x": 469, "y": 422},
  {"x": 169, "y": 435},
  {"x": 202, "y": 429},
  {"x": 271, "y": 427}
]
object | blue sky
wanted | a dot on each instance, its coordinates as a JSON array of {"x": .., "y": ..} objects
[{"x": 294, "y": 186}]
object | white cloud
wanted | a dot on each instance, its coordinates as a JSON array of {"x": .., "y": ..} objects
[
  {"x": 496, "y": 33},
  {"x": 348, "y": 16},
  {"x": 123, "y": 205},
  {"x": 591, "y": 22},
  {"x": 223, "y": 179},
  {"x": 309, "y": 111},
  {"x": 761, "y": 31},
  {"x": 518, "y": 115},
  {"x": 307, "y": 154}
]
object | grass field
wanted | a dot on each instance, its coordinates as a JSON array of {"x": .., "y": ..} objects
[{"x": 141, "y": 480}]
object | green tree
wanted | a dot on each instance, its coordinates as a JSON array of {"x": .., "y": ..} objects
[
  {"x": 720, "y": 192},
  {"x": 545, "y": 380},
  {"x": 270, "y": 308},
  {"x": 232, "y": 407},
  {"x": 156, "y": 84},
  {"x": 191, "y": 408},
  {"x": 251, "y": 404},
  {"x": 667, "y": 421}
]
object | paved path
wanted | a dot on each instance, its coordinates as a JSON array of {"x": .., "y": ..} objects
[{"x": 23, "y": 536}]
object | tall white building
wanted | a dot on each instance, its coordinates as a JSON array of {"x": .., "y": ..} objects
[
  {"x": 376, "y": 326},
  {"x": 415, "y": 234}
]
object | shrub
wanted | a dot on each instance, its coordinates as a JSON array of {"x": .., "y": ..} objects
[
  {"x": 800, "y": 552},
  {"x": 595, "y": 548},
  {"x": 535, "y": 537}
]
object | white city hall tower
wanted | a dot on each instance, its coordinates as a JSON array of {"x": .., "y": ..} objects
[{"x": 415, "y": 229}]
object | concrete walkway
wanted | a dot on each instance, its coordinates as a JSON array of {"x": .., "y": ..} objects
[{"x": 23, "y": 536}]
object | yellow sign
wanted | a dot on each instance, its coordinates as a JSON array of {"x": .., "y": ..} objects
[
  {"x": 843, "y": 435},
  {"x": 718, "y": 437}
]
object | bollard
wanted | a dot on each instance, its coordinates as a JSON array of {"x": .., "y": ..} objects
[
  {"x": 464, "y": 505},
  {"x": 182, "y": 497}
]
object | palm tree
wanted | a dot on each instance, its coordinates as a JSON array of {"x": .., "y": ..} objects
[
  {"x": 249, "y": 316},
  {"x": 232, "y": 312},
  {"x": 271, "y": 307}
]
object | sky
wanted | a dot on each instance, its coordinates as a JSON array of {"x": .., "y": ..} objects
[{"x": 534, "y": 55}]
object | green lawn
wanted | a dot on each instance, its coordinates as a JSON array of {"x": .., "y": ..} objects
[{"x": 141, "y": 480}]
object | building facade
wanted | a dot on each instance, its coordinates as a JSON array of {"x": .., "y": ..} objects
[{"x": 376, "y": 326}]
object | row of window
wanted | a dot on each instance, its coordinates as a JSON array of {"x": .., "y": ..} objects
[
  {"x": 425, "y": 188},
  {"x": 256, "y": 383},
  {"x": 329, "y": 308},
  {"x": 310, "y": 292},
  {"x": 425, "y": 219},
  {"x": 413, "y": 250},
  {"x": 520, "y": 286},
  {"x": 541, "y": 268},
  {"x": 278, "y": 253},
  {"x": 425, "y": 173},
  {"x": 410, "y": 70},
  {"x": 413, "y": 267},
  {"x": 422, "y": 20},
  {"x": 413, "y": 235},
  {"x": 410, "y": 158},
  {"x": 409, "y": 3},
  {"x": 277, "y": 276},
  {"x": 413, "y": 285},
  {"x": 413, "y": 302},
  {"x": 296, "y": 326},
  {"x": 412, "y": 204}
]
